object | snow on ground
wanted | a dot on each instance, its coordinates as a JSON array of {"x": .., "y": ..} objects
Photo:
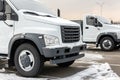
[
  {"x": 15, "y": 77},
  {"x": 95, "y": 72},
  {"x": 93, "y": 46},
  {"x": 90, "y": 58},
  {"x": 8, "y": 76}
]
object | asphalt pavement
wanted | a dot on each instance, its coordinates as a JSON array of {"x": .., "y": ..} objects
[{"x": 53, "y": 71}]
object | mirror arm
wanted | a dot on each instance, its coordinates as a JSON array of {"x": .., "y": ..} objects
[
  {"x": 4, "y": 14},
  {"x": 4, "y": 6}
]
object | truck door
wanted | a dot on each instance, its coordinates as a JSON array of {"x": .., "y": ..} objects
[
  {"x": 7, "y": 21},
  {"x": 91, "y": 29}
]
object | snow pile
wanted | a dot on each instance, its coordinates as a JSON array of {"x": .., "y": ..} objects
[{"x": 95, "y": 72}]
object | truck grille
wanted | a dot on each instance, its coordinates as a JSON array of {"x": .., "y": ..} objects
[{"x": 70, "y": 34}]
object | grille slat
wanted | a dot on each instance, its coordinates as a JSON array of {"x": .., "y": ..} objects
[
  {"x": 71, "y": 30},
  {"x": 70, "y": 34}
]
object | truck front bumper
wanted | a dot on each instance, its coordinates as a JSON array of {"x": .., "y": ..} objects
[{"x": 64, "y": 54}]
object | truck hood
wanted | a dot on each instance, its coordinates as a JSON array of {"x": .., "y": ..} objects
[
  {"x": 112, "y": 28},
  {"x": 47, "y": 18}
]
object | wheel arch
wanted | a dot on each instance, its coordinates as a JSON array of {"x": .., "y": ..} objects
[
  {"x": 102, "y": 35},
  {"x": 19, "y": 39}
]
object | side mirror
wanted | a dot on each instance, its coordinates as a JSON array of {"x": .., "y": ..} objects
[
  {"x": 92, "y": 18},
  {"x": 3, "y": 16},
  {"x": 100, "y": 25},
  {"x": 96, "y": 22},
  {"x": 1, "y": 6}
]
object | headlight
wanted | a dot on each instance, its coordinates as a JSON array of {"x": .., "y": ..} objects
[
  {"x": 118, "y": 36},
  {"x": 51, "y": 40}
]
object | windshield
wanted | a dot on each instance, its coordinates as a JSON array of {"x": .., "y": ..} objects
[
  {"x": 33, "y": 5},
  {"x": 103, "y": 20}
]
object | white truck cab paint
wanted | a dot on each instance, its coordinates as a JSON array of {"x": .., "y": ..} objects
[
  {"x": 30, "y": 35},
  {"x": 100, "y": 31}
]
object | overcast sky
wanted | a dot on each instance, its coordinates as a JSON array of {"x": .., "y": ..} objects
[{"x": 76, "y": 9}]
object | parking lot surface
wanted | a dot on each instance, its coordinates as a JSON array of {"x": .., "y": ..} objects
[{"x": 93, "y": 56}]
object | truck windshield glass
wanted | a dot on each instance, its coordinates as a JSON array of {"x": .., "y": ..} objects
[
  {"x": 103, "y": 20},
  {"x": 33, "y": 5}
]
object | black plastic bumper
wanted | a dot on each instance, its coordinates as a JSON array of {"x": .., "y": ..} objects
[
  {"x": 62, "y": 60},
  {"x": 64, "y": 54}
]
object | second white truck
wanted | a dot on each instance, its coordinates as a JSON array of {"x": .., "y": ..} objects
[{"x": 98, "y": 30}]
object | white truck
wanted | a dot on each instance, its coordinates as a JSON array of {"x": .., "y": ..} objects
[
  {"x": 98, "y": 30},
  {"x": 30, "y": 35}
]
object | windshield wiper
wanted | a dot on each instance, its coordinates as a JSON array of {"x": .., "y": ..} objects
[
  {"x": 47, "y": 16},
  {"x": 32, "y": 13},
  {"x": 107, "y": 23}
]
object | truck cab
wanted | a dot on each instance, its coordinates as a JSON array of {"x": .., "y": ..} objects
[
  {"x": 30, "y": 35},
  {"x": 101, "y": 32}
]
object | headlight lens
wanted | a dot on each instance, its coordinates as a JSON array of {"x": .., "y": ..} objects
[
  {"x": 118, "y": 35},
  {"x": 51, "y": 40}
]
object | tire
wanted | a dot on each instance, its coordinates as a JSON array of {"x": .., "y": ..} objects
[
  {"x": 66, "y": 64},
  {"x": 28, "y": 61},
  {"x": 107, "y": 44}
]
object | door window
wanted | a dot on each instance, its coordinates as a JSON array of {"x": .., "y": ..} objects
[
  {"x": 93, "y": 22},
  {"x": 90, "y": 21},
  {"x": 10, "y": 13}
]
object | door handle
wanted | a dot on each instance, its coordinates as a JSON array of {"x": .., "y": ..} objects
[
  {"x": 10, "y": 25},
  {"x": 86, "y": 27}
]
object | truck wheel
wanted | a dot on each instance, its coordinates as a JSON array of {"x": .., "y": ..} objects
[
  {"x": 107, "y": 44},
  {"x": 27, "y": 60},
  {"x": 66, "y": 64}
]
